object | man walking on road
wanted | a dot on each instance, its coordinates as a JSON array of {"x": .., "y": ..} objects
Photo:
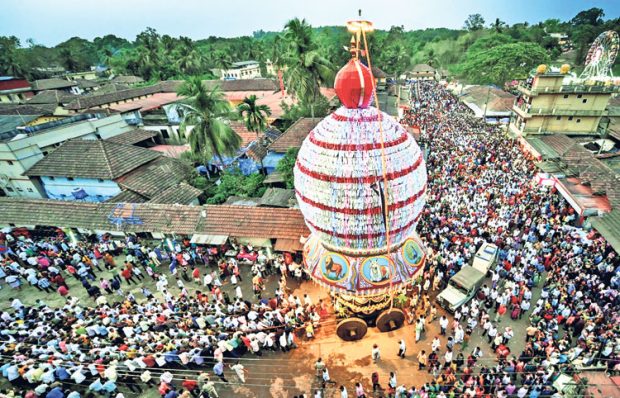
[{"x": 402, "y": 348}]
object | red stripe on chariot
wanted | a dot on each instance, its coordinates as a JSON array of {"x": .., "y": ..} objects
[
  {"x": 369, "y": 211},
  {"x": 359, "y": 180},
  {"x": 356, "y": 147}
]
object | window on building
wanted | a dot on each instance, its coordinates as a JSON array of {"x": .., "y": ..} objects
[
  {"x": 29, "y": 189},
  {"x": 164, "y": 133},
  {"x": 69, "y": 178},
  {"x": 579, "y": 95},
  {"x": 585, "y": 100},
  {"x": 558, "y": 118},
  {"x": 20, "y": 189},
  {"x": 51, "y": 178},
  {"x": 10, "y": 162},
  {"x": 578, "y": 120},
  {"x": 570, "y": 118},
  {"x": 100, "y": 180},
  {"x": 10, "y": 189},
  {"x": 565, "y": 96}
]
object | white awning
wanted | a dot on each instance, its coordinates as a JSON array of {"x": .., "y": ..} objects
[
  {"x": 215, "y": 240},
  {"x": 255, "y": 242}
]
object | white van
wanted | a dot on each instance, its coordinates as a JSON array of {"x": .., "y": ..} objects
[
  {"x": 461, "y": 288},
  {"x": 486, "y": 257}
]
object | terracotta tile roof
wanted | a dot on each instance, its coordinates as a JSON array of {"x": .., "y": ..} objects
[
  {"x": 253, "y": 222},
  {"x": 83, "y": 83},
  {"x": 152, "y": 178},
  {"x": 107, "y": 89},
  {"x": 27, "y": 109},
  {"x": 236, "y": 221},
  {"x": 128, "y": 197},
  {"x": 244, "y": 85},
  {"x": 50, "y": 84},
  {"x": 96, "y": 99},
  {"x": 278, "y": 197},
  {"x": 423, "y": 68},
  {"x": 608, "y": 225},
  {"x": 170, "y": 86},
  {"x": 270, "y": 85},
  {"x": 151, "y": 102},
  {"x": 378, "y": 73},
  {"x": 92, "y": 159},
  {"x": 246, "y": 136},
  {"x": 294, "y": 136},
  {"x": 182, "y": 194},
  {"x": 52, "y": 97},
  {"x": 129, "y": 79},
  {"x": 256, "y": 151},
  {"x": 133, "y": 136},
  {"x": 150, "y": 217},
  {"x": 45, "y": 212}
]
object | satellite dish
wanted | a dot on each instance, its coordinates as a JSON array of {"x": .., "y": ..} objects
[{"x": 4, "y": 180}]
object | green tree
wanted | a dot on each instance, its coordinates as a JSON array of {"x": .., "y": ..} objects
[
  {"x": 68, "y": 60},
  {"x": 307, "y": 69},
  {"x": 488, "y": 42},
  {"x": 593, "y": 16},
  {"x": 474, "y": 22},
  {"x": 10, "y": 64},
  {"x": 286, "y": 165},
  {"x": 255, "y": 117},
  {"x": 503, "y": 63},
  {"x": 498, "y": 25},
  {"x": 208, "y": 113},
  {"x": 233, "y": 183}
]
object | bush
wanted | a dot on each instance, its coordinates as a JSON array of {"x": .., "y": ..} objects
[{"x": 233, "y": 183}]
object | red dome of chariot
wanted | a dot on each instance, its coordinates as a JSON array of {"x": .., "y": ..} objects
[{"x": 354, "y": 85}]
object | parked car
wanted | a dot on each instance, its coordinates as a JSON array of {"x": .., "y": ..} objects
[
  {"x": 485, "y": 258},
  {"x": 461, "y": 288}
]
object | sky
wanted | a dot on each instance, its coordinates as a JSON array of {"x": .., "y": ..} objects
[{"x": 50, "y": 22}]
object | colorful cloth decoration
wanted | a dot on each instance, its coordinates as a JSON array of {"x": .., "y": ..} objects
[{"x": 340, "y": 188}]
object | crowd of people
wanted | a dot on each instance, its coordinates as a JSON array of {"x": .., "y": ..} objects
[
  {"x": 480, "y": 189},
  {"x": 81, "y": 349}
]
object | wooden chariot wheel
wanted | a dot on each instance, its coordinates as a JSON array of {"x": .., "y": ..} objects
[
  {"x": 351, "y": 329},
  {"x": 390, "y": 320}
]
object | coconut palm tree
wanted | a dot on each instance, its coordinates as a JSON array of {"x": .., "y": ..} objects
[
  {"x": 207, "y": 112},
  {"x": 9, "y": 58},
  {"x": 68, "y": 60},
  {"x": 307, "y": 69},
  {"x": 255, "y": 117}
]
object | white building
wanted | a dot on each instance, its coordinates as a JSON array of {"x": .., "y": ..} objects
[
  {"x": 241, "y": 70},
  {"x": 21, "y": 149}
]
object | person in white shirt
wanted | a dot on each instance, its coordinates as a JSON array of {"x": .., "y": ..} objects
[
  {"x": 436, "y": 344},
  {"x": 240, "y": 371},
  {"x": 402, "y": 349},
  {"x": 443, "y": 324},
  {"x": 448, "y": 357},
  {"x": 375, "y": 353},
  {"x": 343, "y": 392}
]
